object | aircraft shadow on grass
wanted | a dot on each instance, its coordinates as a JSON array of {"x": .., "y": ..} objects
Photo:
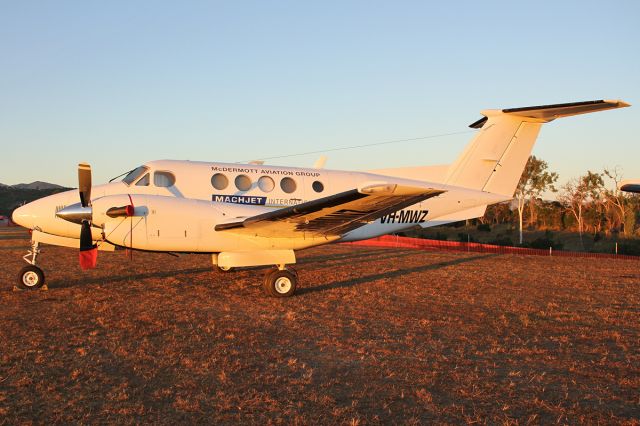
[
  {"x": 392, "y": 274},
  {"x": 166, "y": 274},
  {"x": 316, "y": 259}
]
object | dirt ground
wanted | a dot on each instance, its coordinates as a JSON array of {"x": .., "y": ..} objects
[{"x": 373, "y": 336}]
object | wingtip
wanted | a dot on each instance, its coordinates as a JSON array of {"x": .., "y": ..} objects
[{"x": 619, "y": 103}]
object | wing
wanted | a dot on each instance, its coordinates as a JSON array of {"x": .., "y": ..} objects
[{"x": 333, "y": 215}]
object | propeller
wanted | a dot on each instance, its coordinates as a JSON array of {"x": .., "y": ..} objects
[
  {"x": 88, "y": 250},
  {"x": 84, "y": 184},
  {"x": 82, "y": 214}
]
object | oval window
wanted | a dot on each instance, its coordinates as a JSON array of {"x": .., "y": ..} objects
[
  {"x": 317, "y": 186},
  {"x": 243, "y": 182},
  {"x": 288, "y": 185},
  {"x": 219, "y": 181},
  {"x": 164, "y": 179},
  {"x": 266, "y": 184}
]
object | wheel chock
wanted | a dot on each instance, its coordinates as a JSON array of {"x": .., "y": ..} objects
[{"x": 43, "y": 288}]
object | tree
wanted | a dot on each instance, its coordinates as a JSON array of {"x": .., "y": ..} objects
[
  {"x": 581, "y": 193},
  {"x": 498, "y": 213},
  {"x": 534, "y": 181},
  {"x": 619, "y": 213}
]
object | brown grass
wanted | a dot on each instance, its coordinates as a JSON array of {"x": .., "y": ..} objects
[{"x": 373, "y": 336}]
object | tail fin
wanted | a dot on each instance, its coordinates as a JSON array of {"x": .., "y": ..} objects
[{"x": 495, "y": 158}]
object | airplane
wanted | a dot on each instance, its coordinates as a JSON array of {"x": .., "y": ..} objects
[
  {"x": 253, "y": 214},
  {"x": 631, "y": 185}
]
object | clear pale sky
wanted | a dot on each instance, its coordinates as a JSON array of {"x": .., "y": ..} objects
[{"x": 119, "y": 83}]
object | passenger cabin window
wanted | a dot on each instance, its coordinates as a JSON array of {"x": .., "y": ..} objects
[
  {"x": 134, "y": 174},
  {"x": 144, "y": 181},
  {"x": 288, "y": 185},
  {"x": 219, "y": 181},
  {"x": 317, "y": 186},
  {"x": 163, "y": 179},
  {"x": 243, "y": 182},
  {"x": 266, "y": 184}
]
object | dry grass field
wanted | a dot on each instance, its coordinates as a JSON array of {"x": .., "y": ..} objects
[{"x": 374, "y": 336}]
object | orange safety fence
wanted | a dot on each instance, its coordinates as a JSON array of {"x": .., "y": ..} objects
[{"x": 424, "y": 244}]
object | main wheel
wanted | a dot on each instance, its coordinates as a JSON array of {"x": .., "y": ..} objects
[
  {"x": 279, "y": 283},
  {"x": 31, "y": 278},
  {"x": 225, "y": 268}
]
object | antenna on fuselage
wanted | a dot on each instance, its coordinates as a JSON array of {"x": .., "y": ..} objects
[{"x": 320, "y": 162}]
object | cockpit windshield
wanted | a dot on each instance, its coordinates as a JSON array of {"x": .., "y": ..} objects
[{"x": 134, "y": 174}]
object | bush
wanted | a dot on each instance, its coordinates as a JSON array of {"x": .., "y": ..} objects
[
  {"x": 629, "y": 247},
  {"x": 502, "y": 240},
  {"x": 441, "y": 237},
  {"x": 544, "y": 242},
  {"x": 484, "y": 227},
  {"x": 466, "y": 238}
]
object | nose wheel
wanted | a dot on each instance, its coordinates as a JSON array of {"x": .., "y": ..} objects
[
  {"x": 31, "y": 278},
  {"x": 280, "y": 282}
]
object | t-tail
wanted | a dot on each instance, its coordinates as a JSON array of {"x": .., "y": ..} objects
[{"x": 496, "y": 157}]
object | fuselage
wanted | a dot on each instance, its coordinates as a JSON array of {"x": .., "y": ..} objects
[{"x": 178, "y": 204}]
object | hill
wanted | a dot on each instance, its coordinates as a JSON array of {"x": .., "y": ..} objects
[
  {"x": 37, "y": 185},
  {"x": 16, "y": 195}
]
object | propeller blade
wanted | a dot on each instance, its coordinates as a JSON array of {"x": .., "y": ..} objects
[
  {"x": 84, "y": 184},
  {"x": 88, "y": 251}
]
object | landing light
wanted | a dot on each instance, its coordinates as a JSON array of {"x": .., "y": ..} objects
[{"x": 376, "y": 189}]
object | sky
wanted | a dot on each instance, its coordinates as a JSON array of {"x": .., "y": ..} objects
[{"x": 120, "y": 83}]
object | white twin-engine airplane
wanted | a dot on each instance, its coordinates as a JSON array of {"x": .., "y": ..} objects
[{"x": 252, "y": 214}]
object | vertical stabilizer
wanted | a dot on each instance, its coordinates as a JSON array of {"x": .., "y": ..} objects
[{"x": 497, "y": 155}]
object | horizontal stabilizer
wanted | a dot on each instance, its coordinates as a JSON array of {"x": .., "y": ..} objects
[{"x": 546, "y": 113}]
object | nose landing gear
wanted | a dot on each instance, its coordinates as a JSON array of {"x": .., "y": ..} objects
[{"x": 31, "y": 277}]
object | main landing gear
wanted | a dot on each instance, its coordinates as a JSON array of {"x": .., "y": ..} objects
[
  {"x": 31, "y": 277},
  {"x": 280, "y": 282}
]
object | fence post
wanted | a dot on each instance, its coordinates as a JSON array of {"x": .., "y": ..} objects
[
  {"x": 616, "y": 248},
  {"x": 550, "y": 250}
]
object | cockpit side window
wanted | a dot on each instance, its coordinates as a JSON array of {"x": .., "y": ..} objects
[
  {"x": 144, "y": 181},
  {"x": 164, "y": 179},
  {"x": 134, "y": 174}
]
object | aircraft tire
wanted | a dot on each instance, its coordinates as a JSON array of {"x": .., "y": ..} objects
[
  {"x": 225, "y": 269},
  {"x": 31, "y": 278},
  {"x": 279, "y": 283}
]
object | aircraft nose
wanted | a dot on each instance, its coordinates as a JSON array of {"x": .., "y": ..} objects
[{"x": 24, "y": 216}]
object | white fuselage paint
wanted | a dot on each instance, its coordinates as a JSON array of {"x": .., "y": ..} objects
[{"x": 182, "y": 217}]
